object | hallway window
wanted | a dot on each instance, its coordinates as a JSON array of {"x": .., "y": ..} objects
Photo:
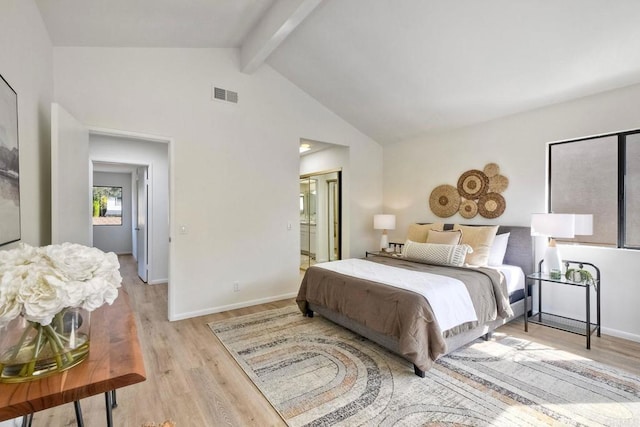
[{"x": 107, "y": 205}]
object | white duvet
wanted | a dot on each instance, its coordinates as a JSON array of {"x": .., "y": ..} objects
[{"x": 448, "y": 297}]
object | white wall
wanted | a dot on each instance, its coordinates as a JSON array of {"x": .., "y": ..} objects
[
  {"x": 235, "y": 167},
  {"x": 26, "y": 63},
  {"x": 155, "y": 155},
  {"x": 518, "y": 144},
  {"x": 115, "y": 238}
]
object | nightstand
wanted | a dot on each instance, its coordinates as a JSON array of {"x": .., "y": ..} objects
[
  {"x": 397, "y": 251},
  {"x": 384, "y": 254},
  {"x": 585, "y": 328}
]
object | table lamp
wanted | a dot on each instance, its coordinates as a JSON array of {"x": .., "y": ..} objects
[
  {"x": 384, "y": 223},
  {"x": 561, "y": 226},
  {"x": 552, "y": 225}
]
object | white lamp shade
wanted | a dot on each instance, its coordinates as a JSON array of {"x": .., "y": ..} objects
[
  {"x": 384, "y": 222},
  {"x": 553, "y": 225},
  {"x": 583, "y": 225}
]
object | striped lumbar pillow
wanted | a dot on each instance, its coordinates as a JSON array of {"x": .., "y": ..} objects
[{"x": 436, "y": 253}]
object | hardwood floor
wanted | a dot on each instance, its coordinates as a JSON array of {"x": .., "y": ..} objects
[
  {"x": 618, "y": 352},
  {"x": 192, "y": 380}
]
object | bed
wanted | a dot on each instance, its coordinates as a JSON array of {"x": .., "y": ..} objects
[{"x": 403, "y": 321}]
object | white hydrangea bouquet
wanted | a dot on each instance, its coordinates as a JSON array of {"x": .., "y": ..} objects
[{"x": 46, "y": 295}]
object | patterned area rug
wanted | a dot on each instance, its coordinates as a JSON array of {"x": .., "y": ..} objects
[{"x": 319, "y": 374}]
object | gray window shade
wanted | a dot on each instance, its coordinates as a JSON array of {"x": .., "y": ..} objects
[
  {"x": 632, "y": 192},
  {"x": 584, "y": 180}
]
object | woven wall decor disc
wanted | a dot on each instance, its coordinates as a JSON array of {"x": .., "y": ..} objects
[
  {"x": 491, "y": 169},
  {"x": 473, "y": 184},
  {"x": 491, "y": 205},
  {"x": 444, "y": 200},
  {"x": 498, "y": 183},
  {"x": 468, "y": 209}
]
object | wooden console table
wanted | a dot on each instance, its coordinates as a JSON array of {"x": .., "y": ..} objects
[{"x": 115, "y": 360}]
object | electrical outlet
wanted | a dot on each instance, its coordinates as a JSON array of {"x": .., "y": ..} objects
[{"x": 236, "y": 287}]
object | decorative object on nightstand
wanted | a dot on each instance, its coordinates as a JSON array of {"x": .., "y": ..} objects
[
  {"x": 579, "y": 275},
  {"x": 384, "y": 222},
  {"x": 566, "y": 226}
]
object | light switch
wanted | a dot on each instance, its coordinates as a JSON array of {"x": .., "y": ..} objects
[{"x": 183, "y": 229}]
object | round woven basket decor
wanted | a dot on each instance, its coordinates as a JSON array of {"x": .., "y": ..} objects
[
  {"x": 491, "y": 169},
  {"x": 498, "y": 183},
  {"x": 491, "y": 205},
  {"x": 473, "y": 184},
  {"x": 468, "y": 209},
  {"x": 444, "y": 200}
]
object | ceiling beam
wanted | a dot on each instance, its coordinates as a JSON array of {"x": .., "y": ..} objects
[{"x": 274, "y": 27}]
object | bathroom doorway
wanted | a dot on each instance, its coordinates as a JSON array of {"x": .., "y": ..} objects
[{"x": 320, "y": 218}]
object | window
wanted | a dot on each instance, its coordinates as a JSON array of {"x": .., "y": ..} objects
[
  {"x": 107, "y": 205},
  {"x": 600, "y": 176}
]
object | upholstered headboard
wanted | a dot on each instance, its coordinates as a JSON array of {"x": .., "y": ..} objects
[{"x": 520, "y": 247}]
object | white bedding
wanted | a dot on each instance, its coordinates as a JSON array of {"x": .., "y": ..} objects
[
  {"x": 513, "y": 275},
  {"x": 448, "y": 297}
]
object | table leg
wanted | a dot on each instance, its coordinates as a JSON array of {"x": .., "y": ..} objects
[
  {"x": 27, "y": 420},
  {"x": 540, "y": 301},
  {"x": 598, "y": 306},
  {"x": 115, "y": 401},
  {"x": 527, "y": 291},
  {"x": 588, "y": 317},
  {"x": 79, "y": 419},
  {"x": 109, "y": 406}
]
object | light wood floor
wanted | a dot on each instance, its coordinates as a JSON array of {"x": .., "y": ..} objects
[{"x": 192, "y": 380}]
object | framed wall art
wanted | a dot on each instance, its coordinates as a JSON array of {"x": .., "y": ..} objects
[{"x": 9, "y": 165}]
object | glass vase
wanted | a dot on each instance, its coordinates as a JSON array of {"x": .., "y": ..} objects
[{"x": 30, "y": 351}]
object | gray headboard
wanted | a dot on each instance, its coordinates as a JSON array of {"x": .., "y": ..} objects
[{"x": 520, "y": 247}]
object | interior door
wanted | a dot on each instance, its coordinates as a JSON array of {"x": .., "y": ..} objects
[
  {"x": 142, "y": 181},
  {"x": 71, "y": 207}
]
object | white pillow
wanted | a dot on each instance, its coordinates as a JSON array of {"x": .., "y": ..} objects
[
  {"x": 436, "y": 253},
  {"x": 498, "y": 249}
]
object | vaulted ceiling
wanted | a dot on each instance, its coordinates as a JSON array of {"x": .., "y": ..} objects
[{"x": 393, "y": 69}]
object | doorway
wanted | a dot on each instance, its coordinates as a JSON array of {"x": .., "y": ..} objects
[
  {"x": 320, "y": 218},
  {"x": 122, "y": 229},
  {"x": 72, "y": 157},
  {"x": 148, "y": 162}
]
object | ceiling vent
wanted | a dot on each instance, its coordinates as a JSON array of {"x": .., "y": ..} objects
[{"x": 220, "y": 94}]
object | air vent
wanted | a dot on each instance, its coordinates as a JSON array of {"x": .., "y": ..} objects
[
  {"x": 232, "y": 96},
  {"x": 220, "y": 94}
]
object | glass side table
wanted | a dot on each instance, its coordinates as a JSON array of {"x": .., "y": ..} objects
[{"x": 585, "y": 328}]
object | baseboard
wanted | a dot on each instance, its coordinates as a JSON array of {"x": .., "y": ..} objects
[
  {"x": 158, "y": 282},
  {"x": 620, "y": 334},
  {"x": 220, "y": 309}
]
